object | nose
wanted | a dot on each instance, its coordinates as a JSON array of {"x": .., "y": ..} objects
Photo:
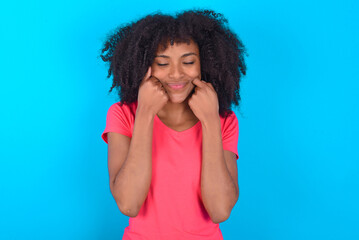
[{"x": 176, "y": 72}]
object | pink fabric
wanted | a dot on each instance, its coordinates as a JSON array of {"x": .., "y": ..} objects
[{"x": 173, "y": 208}]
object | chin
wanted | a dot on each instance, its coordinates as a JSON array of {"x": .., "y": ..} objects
[{"x": 177, "y": 100}]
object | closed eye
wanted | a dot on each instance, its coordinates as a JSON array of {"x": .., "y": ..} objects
[
  {"x": 188, "y": 62},
  {"x": 164, "y": 64}
]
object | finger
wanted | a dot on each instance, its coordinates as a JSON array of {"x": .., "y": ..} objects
[
  {"x": 198, "y": 83},
  {"x": 192, "y": 92},
  {"x": 148, "y": 73},
  {"x": 158, "y": 83},
  {"x": 156, "y": 80},
  {"x": 163, "y": 89},
  {"x": 210, "y": 85}
]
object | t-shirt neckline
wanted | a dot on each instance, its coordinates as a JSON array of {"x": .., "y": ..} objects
[{"x": 177, "y": 132}]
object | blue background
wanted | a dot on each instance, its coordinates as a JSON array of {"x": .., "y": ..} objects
[{"x": 298, "y": 145}]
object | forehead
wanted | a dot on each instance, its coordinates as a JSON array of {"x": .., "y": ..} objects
[{"x": 179, "y": 48}]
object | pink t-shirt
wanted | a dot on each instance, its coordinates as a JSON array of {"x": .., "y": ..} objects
[{"x": 173, "y": 209}]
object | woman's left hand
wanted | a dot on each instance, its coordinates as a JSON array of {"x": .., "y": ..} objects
[{"x": 204, "y": 100}]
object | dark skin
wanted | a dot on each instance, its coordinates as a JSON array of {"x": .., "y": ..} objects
[
  {"x": 129, "y": 160},
  {"x": 177, "y": 63}
]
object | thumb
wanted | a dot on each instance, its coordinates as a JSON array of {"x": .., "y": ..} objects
[{"x": 148, "y": 74}]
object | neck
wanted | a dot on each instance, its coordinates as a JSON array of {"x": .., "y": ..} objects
[{"x": 176, "y": 112}]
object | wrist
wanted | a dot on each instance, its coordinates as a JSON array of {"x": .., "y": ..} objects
[
  {"x": 144, "y": 112},
  {"x": 211, "y": 121}
]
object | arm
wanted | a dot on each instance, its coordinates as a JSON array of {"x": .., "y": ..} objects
[
  {"x": 219, "y": 184},
  {"x": 130, "y": 183}
]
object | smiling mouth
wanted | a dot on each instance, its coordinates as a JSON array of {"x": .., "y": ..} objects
[{"x": 176, "y": 86}]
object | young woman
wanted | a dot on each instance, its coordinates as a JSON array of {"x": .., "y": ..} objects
[{"x": 172, "y": 139}]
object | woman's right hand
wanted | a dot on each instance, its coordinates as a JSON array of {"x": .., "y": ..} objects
[{"x": 151, "y": 94}]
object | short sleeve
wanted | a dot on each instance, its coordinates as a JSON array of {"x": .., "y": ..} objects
[
  {"x": 118, "y": 120},
  {"x": 230, "y": 134}
]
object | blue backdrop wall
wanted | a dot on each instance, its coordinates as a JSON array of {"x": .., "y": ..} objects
[{"x": 298, "y": 144}]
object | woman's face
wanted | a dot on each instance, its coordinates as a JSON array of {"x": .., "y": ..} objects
[{"x": 176, "y": 67}]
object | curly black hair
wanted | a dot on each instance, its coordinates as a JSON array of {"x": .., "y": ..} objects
[{"x": 131, "y": 49}]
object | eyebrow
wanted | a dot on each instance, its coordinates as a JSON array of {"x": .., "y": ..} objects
[{"x": 184, "y": 55}]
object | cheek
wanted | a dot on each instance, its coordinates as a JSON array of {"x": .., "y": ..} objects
[
  {"x": 162, "y": 73},
  {"x": 157, "y": 72},
  {"x": 192, "y": 88},
  {"x": 195, "y": 72},
  {"x": 198, "y": 70}
]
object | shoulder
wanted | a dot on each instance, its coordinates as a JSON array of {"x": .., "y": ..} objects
[
  {"x": 120, "y": 118},
  {"x": 229, "y": 119},
  {"x": 128, "y": 109},
  {"x": 122, "y": 114}
]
